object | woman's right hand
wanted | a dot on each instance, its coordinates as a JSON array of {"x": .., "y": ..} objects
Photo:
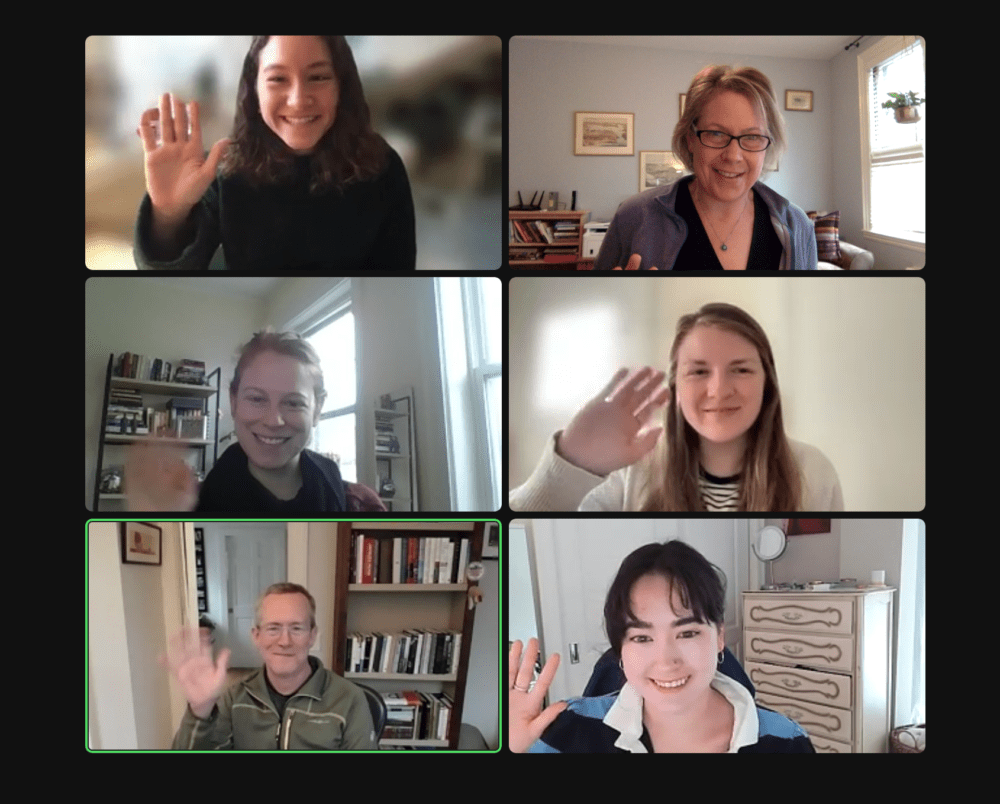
[
  {"x": 606, "y": 433},
  {"x": 158, "y": 479},
  {"x": 177, "y": 171},
  {"x": 527, "y": 720},
  {"x": 202, "y": 680}
]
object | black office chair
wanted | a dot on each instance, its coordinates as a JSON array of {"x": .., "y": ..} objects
[
  {"x": 608, "y": 677},
  {"x": 377, "y": 707}
]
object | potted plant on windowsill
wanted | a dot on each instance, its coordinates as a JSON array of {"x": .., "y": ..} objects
[{"x": 904, "y": 105}]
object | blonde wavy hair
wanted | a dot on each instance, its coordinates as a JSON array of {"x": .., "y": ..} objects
[{"x": 746, "y": 81}]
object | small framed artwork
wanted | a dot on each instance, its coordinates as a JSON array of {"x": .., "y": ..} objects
[
  {"x": 604, "y": 134},
  {"x": 805, "y": 527},
  {"x": 142, "y": 543},
  {"x": 798, "y": 100},
  {"x": 659, "y": 169},
  {"x": 491, "y": 541}
]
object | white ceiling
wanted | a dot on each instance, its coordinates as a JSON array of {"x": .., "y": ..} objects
[
  {"x": 256, "y": 287},
  {"x": 822, "y": 48}
]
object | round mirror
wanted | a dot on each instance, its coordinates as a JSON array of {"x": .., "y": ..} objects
[{"x": 770, "y": 543}]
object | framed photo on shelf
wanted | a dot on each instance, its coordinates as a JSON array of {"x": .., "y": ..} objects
[
  {"x": 142, "y": 543},
  {"x": 604, "y": 134}
]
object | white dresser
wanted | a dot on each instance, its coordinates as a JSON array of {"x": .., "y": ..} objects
[{"x": 824, "y": 659}]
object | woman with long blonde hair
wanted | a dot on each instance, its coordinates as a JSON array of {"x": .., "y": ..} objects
[{"x": 725, "y": 447}]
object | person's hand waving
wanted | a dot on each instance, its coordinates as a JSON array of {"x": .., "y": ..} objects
[
  {"x": 158, "y": 479},
  {"x": 190, "y": 660},
  {"x": 607, "y": 433},
  {"x": 177, "y": 171},
  {"x": 527, "y": 719}
]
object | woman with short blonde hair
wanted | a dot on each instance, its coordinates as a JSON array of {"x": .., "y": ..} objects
[{"x": 722, "y": 217}]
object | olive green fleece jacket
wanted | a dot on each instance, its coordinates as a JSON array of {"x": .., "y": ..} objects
[{"x": 328, "y": 713}]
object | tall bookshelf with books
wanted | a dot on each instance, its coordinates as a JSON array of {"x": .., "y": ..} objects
[
  {"x": 146, "y": 398},
  {"x": 402, "y": 623}
]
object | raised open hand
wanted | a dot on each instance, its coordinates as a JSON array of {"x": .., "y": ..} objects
[
  {"x": 607, "y": 433},
  {"x": 527, "y": 718},
  {"x": 177, "y": 171},
  {"x": 190, "y": 660},
  {"x": 158, "y": 479}
]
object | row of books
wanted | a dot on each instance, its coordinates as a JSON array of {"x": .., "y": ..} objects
[
  {"x": 417, "y": 715},
  {"x": 409, "y": 559},
  {"x": 524, "y": 231},
  {"x": 142, "y": 367},
  {"x": 184, "y": 417},
  {"x": 415, "y": 652}
]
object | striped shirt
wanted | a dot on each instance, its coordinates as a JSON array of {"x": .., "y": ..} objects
[
  {"x": 612, "y": 724},
  {"x": 719, "y": 493}
]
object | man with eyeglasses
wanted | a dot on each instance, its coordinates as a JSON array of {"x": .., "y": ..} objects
[{"x": 293, "y": 702}]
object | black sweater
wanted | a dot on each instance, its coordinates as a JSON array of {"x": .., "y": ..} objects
[
  {"x": 282, "y": 228},
  {"x": 231, "y": 489}
]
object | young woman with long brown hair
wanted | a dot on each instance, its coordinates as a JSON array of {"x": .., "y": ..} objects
[
  {"x": 305, "y": 183},
  {"x": 725, "y": 447}
]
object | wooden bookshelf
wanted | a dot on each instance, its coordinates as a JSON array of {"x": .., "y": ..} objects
[
  {"x": 378, "y": 605},
  {"x": 531, "y": 234}
]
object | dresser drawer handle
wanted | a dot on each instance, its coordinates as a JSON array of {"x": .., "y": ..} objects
[
  {"x": 793, "y": 649},
  {"x": 791, "y": 683},
  {"x": 791, "y": 615}
]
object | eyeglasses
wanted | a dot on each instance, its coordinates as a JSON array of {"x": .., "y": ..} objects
[
  {"x": 296, "y": 630},
  {"x": 719, "y": 139}
]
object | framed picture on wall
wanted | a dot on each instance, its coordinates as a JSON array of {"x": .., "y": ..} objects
[
  {"x": 604, "y": 134},
  {"x": 659, "y": 169},
  {"x": 491, "y": 541},
  {"x": 142, "y": 543},
  {"x": 798, "y": 100},
  {"x": 803, "y": 527}
]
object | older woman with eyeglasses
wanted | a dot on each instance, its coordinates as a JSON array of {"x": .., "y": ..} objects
[{"x": 720, "y": 218}]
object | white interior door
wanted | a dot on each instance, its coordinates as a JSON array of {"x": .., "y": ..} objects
[
  {"x": 576, "y": 562},
  {"x": 256, "y": 558}
]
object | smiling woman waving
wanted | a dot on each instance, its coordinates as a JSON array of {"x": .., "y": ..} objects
[
  {"x": 276, "y": 397},
  {"x": 304, "y": 184},
  {"x": 725, "y": 447},
  {"x": 665, "y": 620},
  {"x": 722, "y": 218}
]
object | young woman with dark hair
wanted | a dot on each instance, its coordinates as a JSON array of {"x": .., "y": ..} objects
[
  {"x": 304, "y": 184},
  {"x": 665, "y": 619}
]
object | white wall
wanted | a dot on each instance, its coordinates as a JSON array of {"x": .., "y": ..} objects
[{"x": 849, "y": 355}]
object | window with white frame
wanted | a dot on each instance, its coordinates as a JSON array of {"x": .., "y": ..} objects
[
  {"x": 471, "y": 344},
  {"x": 328, "y": 326},
  {"x": 893, "y": 153}
]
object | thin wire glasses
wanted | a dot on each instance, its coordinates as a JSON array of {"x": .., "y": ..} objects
[
  {"x": 296, "y": 630},
  {"x": 719, "y": 139}
]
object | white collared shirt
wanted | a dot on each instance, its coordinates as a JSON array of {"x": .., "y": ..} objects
[{"x": 625, "y": 715}]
